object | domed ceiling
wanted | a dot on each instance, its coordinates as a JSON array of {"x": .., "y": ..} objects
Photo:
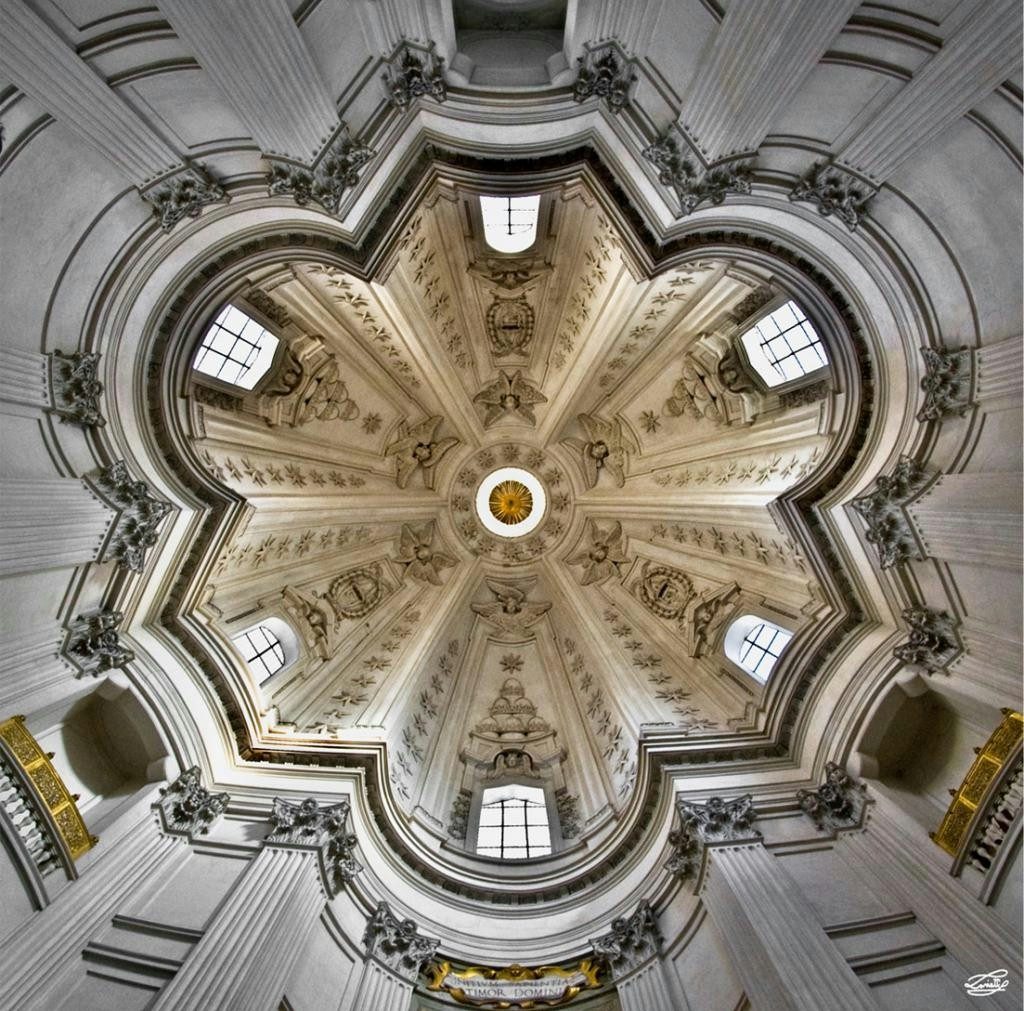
[{"x": 605, "y": 402}]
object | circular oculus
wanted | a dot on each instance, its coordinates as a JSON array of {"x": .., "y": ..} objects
[{"x": 510, "y": 502}]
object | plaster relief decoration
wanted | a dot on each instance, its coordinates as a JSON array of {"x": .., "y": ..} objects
[
  {"x": 74, "y": 387},
  {"x": 139, "y": 515},
  {"x": 602, "y": 451},
  {"x": 837, "y": 804},
  {"x": 307, "y": 824},
  {"x": 417, "y": 552},
  {"x": 510, "y": 613},
  {"x": 803, "y": 395},
  {"x": 701, "y": 825},
  {"x": 354, "y": 594},
  {"x": 417, "y": 448},
  {"x": 414, "y": 73},
  {"x": 948, "y": 383},
  {"x": 884, "y": 510},
  {"x": 693, "y": 188},
  {"x": 749, "y": 544},
  {"x": 187, "y": 808},
  {"x": 509, "y": 395},
  {"x": 94, "y": 646},
  {"x": 351, "y": 298},
  {"x": 397, "y": 943},
  {"x": 835, "y": 191},
  {"x": 750, "y": 303},
  {"x": 714, "y": 385},
  {"x": 458, "y": 819},
  {"x": 262, "y": 302},
  {"x": 630, "y": 942},
  {"x": 934, "y": 639},
  {"x": 705, "y": 615},
  {"x": 512, "y": 716},
  {"x": 603, "y": 72},
  {"x": 307, "y": 387},
  {"x": 183, "y": 195},
  {"x": 510, "y": 275},
  {"x": 313, "y": 622},
  {"x": 604, "y": 552},
  {"x": 664, "y": 591},
  {"x": 568, "y": 806},
  {"x": 416, "y": 734},
  {"x": 510, "y": 323},
  {"x": 325, "y": 180}
]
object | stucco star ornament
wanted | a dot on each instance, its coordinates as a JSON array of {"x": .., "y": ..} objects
[
  {"x": 416, "y": 448},
  {"x": 510, "y": 394},
  {"x": 416, "y": 551},
  {"x": 602, "y": 451},
  {"x": 602, "y": 557}
]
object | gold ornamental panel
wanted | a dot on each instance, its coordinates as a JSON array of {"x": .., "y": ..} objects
[
  {"x": 48, "y": 789},
  {"x": 515, "y": 986},
  {"x": 954, "y": 832}
]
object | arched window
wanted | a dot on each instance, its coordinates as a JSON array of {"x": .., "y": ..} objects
[
  {"x": 510, "y": 223},
  {"x": 236, "y": 349},
  {"x": 755, "y": 644},
  {"x": 784, "y": 345},
  {"x": 513, "y": 823},
  {"x": 268, "y": 647}
]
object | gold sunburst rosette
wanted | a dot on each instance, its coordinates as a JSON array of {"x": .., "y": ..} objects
[
  {"x": 514, "y": 986},
  {"x": 510, "y": 502}
]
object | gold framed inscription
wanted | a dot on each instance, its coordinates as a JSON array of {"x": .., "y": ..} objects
[{"x": 515, "y": 986}]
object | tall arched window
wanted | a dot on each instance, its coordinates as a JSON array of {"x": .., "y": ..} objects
[
  {"x": 783, "y": 345},
  {"x": 755, "y": 644},
  {"x": 513, "y": 823},
  {"x": 236, "y": 349},
  {"x": 268, "y": 647},
  {"x": 510, "y": 223}
]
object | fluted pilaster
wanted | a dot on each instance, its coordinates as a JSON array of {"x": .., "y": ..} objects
[
  {"x": 50, "y": 523},
  {"x": 244, "y": 959},
  {"x": 779, "y": 950},
  {"x": 900, "y": 855},
  {"x": 976, "y": 59}
]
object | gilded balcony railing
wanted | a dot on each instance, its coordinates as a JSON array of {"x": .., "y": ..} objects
[
  {"x": 986, "y": 789},
  {"x": 38, "y": 804}
]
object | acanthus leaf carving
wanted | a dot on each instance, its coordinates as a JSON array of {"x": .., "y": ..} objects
[
  {"x": 397, "y": 943},
  {"x": 325, "y": 180},
  {"x": 837, "y": 804},
  {"x": 183, "y": 195},
  {"x": 187, "y": 808},
  {"x": 94, "y": 645},
  {"x": 139, "y": 515},
  {"x": 884, "y": 511},
  {"x": 74, "y": 387},
  {"x": 834, "y": 191},
  {"x": 603, "y": 71},
  {"x": 510, "y": 612},
  {"x": 568, "y": 807},
  {"x": 509, "y": 394},
  {"x": 947, "y": 383},
  {"x": 320, "y": 828},
  {"x": 631, "y": 941},
  {"x": 417, "y": 448},
  {"x": 410, "y": 76},
  {"x": 458, "y": 818},
  {"x": 691, "y": 187},
  {"x": 934, "y": 640},
  {"x": 716, "y": 822}
]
